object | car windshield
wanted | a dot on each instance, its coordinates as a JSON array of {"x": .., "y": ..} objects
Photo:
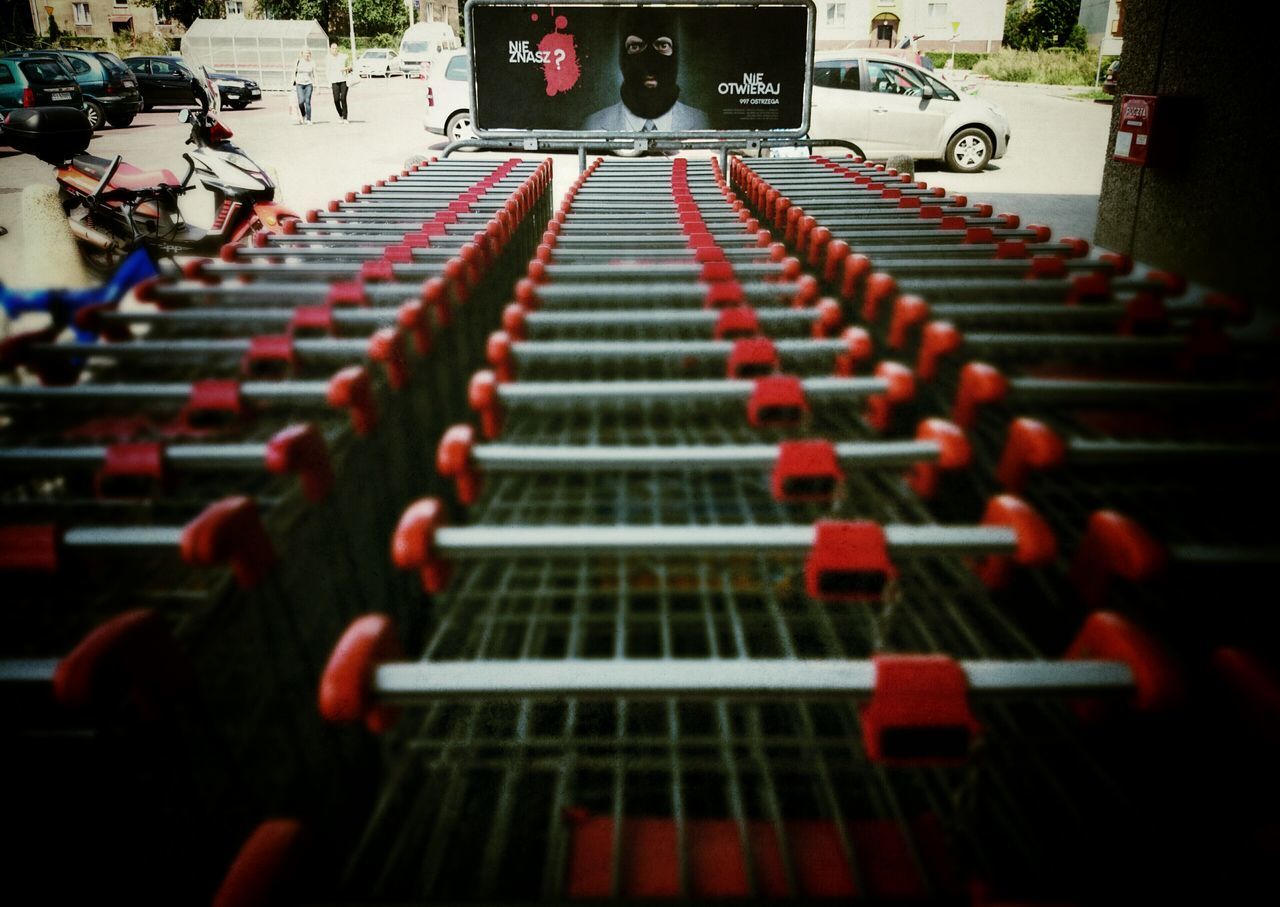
[
  {"x": 377, "y": 54},
  {"x": 892, "y": 78},
  {"x": 113, "y": 64},
  {"x": 941, "y": 90},
  {"x": 43, "y": 71},
  {"x": 414, "y": 47}
]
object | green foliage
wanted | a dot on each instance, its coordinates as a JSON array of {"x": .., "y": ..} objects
[
  {"x": 1049, "y": 23},
  {"x": 940, "y": 59},
  {"x": 1079, "y": 40},
  {"x": 186, "y": 11},
  {"x": 124, "y": 44},
  {"x": 372, "y": 17},
  {"x": 1043, "y": 67}
]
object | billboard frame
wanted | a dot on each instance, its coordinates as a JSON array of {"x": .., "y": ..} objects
[{"x": 538, "y": 138}]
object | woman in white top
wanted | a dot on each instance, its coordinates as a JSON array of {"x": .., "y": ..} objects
[{"x": 304, "y": 77}]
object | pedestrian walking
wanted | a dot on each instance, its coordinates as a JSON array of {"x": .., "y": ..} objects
[
  {"x": 337, "y": 66},
  {"x": 304, "y": 78}
]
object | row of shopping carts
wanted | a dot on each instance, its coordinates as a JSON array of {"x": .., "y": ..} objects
[
  {"x": 797, "y": 531},
  {"x": 816, "y": 533},
  {"x": 197, "y": 490}
]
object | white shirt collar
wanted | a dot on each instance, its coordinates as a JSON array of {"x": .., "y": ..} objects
[{"x": 636, "y": 124}]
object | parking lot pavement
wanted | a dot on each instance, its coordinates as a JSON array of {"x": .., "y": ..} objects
[
  {"x": 1052, "y": 172},
  {"x": 1051, "y": 175}
]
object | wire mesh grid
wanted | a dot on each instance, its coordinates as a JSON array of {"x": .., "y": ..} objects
[
  {"x": 527, "y": 788},
  {"x": 176, "y": 768},
  {"x": 695, "y": 797},
  {"x": 670, "y": 423}
]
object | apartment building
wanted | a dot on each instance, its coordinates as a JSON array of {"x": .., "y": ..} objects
[
  {"x": 974, "y": 26},
  {"x": 98, "y": 18}
]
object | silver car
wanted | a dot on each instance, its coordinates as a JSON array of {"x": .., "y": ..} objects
[{"x": 888, "y": 106}]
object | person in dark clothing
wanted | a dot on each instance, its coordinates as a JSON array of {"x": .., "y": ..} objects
[
  {"x": 337, "y": 66},
  {"x": 649, "y": 61}
]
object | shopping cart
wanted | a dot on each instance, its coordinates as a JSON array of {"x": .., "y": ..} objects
[
  {"x": 643, "y": 668},
  {"x": 125, "y": 477}
]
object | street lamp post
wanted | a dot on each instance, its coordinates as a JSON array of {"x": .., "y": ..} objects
[
  {"x": 955, "y": 36},
  {"x": 351, "y": 32}
]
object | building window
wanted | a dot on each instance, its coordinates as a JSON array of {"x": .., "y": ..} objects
[
  {"x": 835, "y": 15},
  {"x": 1117, "y": 24},
  {"x": 121, "y": 2},
  {"x": 80, "y": 12},
  {"x": 235, "y": 8},
  {"x": 937, "y": 14}
]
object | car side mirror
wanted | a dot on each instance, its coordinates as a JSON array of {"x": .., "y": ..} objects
[
  {"x": 184, "y": 115},
  {"x": 927, "y": 91}
]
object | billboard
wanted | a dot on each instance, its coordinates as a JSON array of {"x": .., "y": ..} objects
[{"x": 610, "y": 69}]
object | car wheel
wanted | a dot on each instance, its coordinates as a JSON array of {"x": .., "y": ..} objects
[
  {"x": 459, "y": 126},
  {"x": 120, "y": 121},
  {"x": 93, "y": 110},
  {"x": 969, "y": 150},
  {"x": 146, "y": 106}
]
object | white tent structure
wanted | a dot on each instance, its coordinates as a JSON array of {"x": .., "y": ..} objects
[{"x": 264, "y": 50}]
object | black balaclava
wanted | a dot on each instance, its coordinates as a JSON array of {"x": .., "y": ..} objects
[{"x": 648, "y": 25}]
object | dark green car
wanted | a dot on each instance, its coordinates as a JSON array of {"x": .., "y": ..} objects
[
  {"x": 110, "y": 88},
  {"x": 36, "y": 82}
]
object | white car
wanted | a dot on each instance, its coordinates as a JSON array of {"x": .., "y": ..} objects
[
  {"x": 377, "y": 61},
  {"x": 887, "y": 106},
  {"x": 449, "y": 97}
]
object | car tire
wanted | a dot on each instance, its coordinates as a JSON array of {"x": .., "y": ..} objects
[
  {"x": 120, "y": 121},
  {"x": 146, "y": 106},
  {"x": 459, "y": 126},
  {"x": 969, "y": 150},
  {"x": 97, "y": 116}
]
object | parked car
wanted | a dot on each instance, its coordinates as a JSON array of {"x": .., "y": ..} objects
[
  {"x": 166, "y": 82},
  {"x": 888, "y": 106},
  {"x": 36, "y": 82},
  {"x": 1110, "y": 80},
  {"x": 236, "y": 92},
  {"x": 378, "y": 61},
  {"x": 109, "y": 88},
  {"x": 449, "y": 97}
]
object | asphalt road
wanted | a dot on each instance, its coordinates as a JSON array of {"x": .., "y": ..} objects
[{"x": 1051, "y": 175}]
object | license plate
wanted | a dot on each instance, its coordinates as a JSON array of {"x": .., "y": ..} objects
[{"x": 60, "y": 96}]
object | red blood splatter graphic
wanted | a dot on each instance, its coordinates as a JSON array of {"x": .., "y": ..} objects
[
  {"x": 534, "y": 17},
  {"x": 561, "y": 22},
  {"x": 561, "y": 70}
]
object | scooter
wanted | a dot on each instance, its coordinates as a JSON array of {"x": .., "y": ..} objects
[{"x": 113, "y": 207}]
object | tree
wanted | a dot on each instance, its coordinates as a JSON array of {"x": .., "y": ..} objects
[
  {"x": 1055, "y": 19},
  {"x": 1049, "y": 23},
  {"x": 1079, "y": 40},
  {"x": 372, "y": 16},
  {"x": 185, "y": 11}
]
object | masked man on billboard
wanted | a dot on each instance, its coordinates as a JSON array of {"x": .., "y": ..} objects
[{"x": 647, "y": 55}]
